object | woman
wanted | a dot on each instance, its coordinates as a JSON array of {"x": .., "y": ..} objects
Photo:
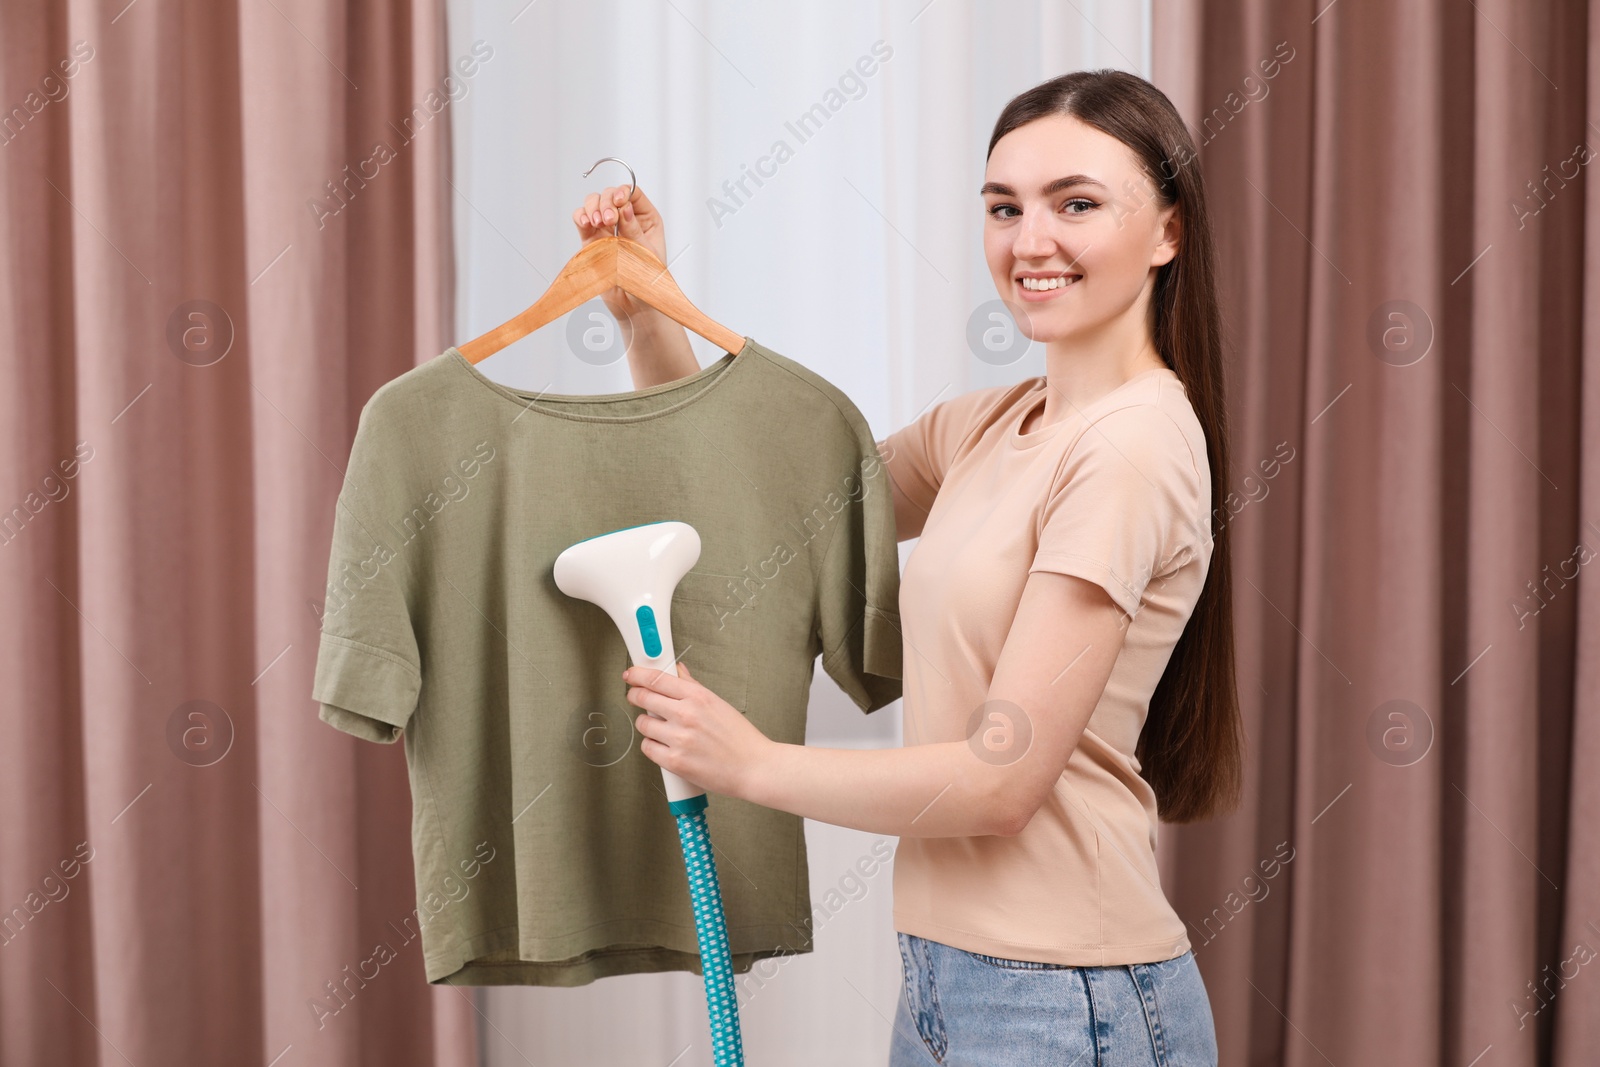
[{"x": 1067, "y": 620}]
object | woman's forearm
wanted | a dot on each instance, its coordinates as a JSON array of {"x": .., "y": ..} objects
[
  {"x": 658, "y": 349},
  {"x": 929, "y": 790}
]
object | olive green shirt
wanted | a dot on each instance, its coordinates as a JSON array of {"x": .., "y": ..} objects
[{"x": 543, "y": 848}]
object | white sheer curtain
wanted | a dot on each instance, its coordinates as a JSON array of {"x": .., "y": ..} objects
[{"x": 854, "y": 248}]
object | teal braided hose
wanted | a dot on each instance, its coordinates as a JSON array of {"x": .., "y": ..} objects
[{"x": 716, "y": 962}]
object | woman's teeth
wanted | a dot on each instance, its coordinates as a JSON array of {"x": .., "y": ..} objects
[{"x": 1043, "y": 284}]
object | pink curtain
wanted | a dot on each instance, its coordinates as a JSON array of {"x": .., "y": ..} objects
[
  {"x": 206, "y": 266},
  {"x": 1411, "y": 278}
]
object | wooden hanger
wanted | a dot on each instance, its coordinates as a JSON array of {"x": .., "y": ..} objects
[{"x": 610, "y": 262}]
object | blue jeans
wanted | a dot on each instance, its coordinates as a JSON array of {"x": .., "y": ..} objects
[{"x": 965, "y": 1009}]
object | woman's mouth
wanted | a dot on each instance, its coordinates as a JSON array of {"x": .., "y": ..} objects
[{"x": 1046, "y": 288}]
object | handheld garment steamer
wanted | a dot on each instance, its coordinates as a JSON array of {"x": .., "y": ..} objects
[{"x": 631, "y": 574}]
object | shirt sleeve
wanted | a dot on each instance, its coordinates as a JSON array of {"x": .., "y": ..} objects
[
  {"x": 368, "y": 672},
  {"x": 920, "y": 453},
  {"x": 1125, "y": 507},
  {"x": 858, "y": 581}
]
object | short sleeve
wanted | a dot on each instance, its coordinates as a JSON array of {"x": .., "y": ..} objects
[
  {"x": 368, "y": 672},
  {"x": 920, "y": 453},
  {"x": 1126, "y": 506},
  {"x": 858, "y": 581}
]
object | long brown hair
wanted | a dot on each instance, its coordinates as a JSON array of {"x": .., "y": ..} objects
[{"x": 1190, "y": 750}]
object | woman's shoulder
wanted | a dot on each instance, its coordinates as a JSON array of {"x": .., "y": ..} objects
[
  {"x": 972, "y": 411},
  {"x": 1151, "y": 425},
  {"x": 949, "y": 422}
]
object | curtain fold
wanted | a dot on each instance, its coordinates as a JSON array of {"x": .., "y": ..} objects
[
  {"x": 224, "y": 226},
  {"x": 1408, "y": 265}
]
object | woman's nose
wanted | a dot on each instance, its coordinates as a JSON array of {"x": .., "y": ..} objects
[{"x": 1032, "y": 241}]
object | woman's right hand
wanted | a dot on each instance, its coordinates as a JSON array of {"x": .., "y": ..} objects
[
  {"x": 639, "y": 220},
  {"x": 658, "y": 348}
]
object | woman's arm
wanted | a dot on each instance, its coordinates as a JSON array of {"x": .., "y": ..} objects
[
  {"x": 658, "y": 348},
  {"x": 1057, "y": 657}
]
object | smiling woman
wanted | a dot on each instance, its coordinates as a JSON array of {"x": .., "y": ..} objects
[
  {"x": 1072, "y": 255},
  {"x": 1044, "y": 509},
  {"x": 1069, "y": 673}
]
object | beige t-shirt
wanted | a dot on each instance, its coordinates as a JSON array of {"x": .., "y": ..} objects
[{"x": 1116, "y": 493}]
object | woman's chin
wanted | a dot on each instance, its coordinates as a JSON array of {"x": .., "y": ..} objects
[{"x": 1046, "y": 329}]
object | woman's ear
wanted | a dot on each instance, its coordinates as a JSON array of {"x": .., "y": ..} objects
[{"x": 1171, "y": 237}]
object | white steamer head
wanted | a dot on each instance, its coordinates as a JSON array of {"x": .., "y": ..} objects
[{"x": 631, "y": 574}]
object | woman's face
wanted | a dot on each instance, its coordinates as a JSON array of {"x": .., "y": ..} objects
[{"x": 1069, "y": 205}]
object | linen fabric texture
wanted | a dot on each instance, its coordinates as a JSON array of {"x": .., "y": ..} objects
[{"x": 543, "y": 848}]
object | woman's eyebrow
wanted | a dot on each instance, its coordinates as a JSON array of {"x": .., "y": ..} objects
[{"x": 1001, "y": 189}]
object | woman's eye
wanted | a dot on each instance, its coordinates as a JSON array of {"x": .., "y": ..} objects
[{"x": 1084, "y": 206}]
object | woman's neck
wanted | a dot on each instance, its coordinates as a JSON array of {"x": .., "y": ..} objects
[{"x": 1082, "y": 369}]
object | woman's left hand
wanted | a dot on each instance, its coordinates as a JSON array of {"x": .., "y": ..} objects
[{"x": 699, "y": 736}]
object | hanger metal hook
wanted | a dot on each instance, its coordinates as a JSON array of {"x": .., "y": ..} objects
[{"x": 615, "y": 229}]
